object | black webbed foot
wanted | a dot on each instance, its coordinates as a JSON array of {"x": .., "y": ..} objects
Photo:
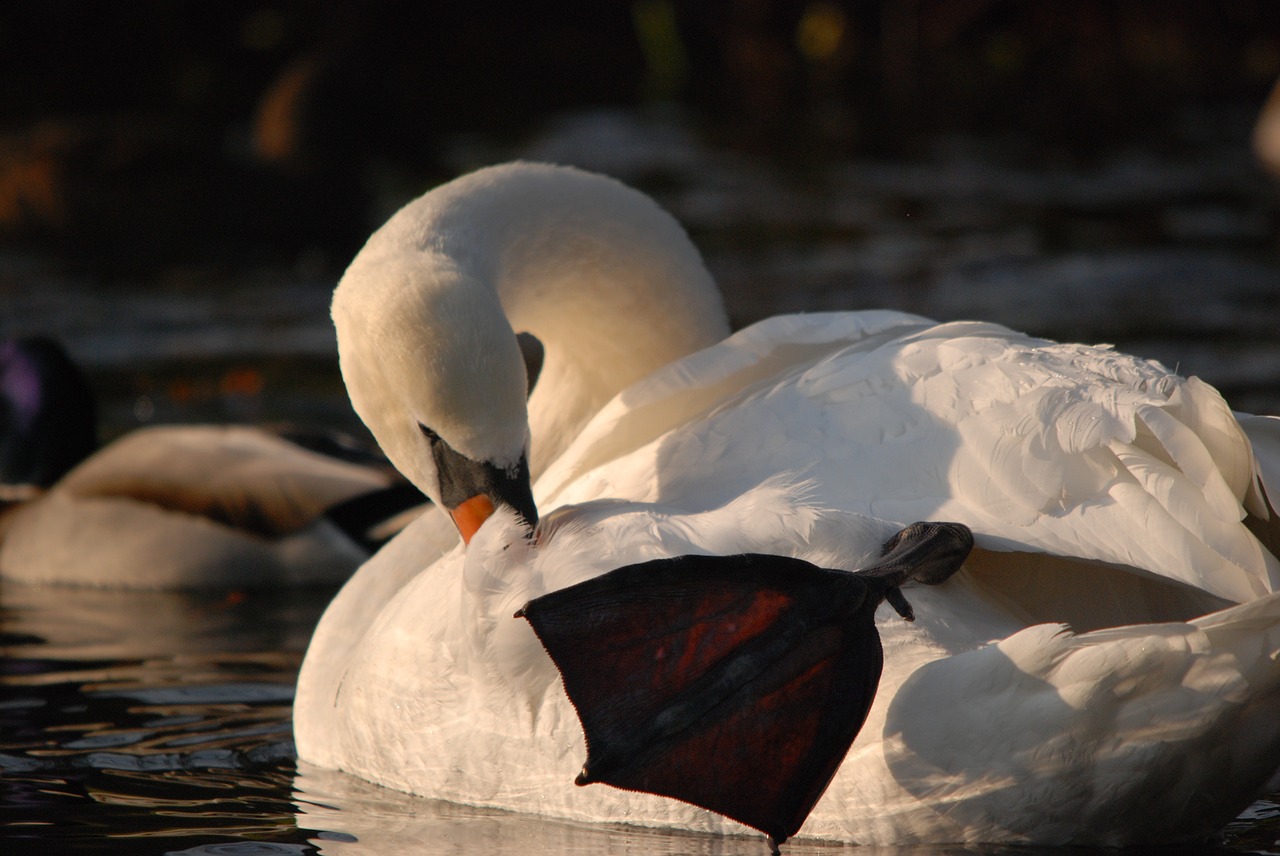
[{"x": 735, "y": 683}]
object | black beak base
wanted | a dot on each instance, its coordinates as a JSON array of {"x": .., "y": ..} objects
[{"x": 461, "y": 478}]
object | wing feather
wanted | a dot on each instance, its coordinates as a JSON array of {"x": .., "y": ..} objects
[{"x": 1040, "y": 447}]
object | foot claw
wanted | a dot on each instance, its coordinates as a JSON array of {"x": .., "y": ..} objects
[{"x": 895, "y": 598}]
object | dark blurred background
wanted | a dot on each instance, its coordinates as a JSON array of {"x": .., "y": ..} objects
[{"x": 181, "y": 183}]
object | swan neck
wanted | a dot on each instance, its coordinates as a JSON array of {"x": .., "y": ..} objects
[{"x": 599, "y": 273}]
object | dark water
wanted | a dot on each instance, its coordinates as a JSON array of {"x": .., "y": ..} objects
[
  {"x": 149, "y": 722},
  {"x": 160, "y": 723},
  {"x": 1168, "y": 248}
]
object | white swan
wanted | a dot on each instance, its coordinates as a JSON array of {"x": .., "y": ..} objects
[
  {"x": 182, "y": 506},
  {"x": 1104, "y": 492}
]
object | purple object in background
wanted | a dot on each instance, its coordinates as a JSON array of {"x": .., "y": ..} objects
[{"x": 48, "y": 419}]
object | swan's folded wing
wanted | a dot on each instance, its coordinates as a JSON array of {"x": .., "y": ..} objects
[
  {"x": 687, "y": 390},
  {"x": 1039, "y": 447},
  {"x": 1088, "y": 453}
]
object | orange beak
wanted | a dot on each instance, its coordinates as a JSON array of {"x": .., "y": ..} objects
[{"x": 470, "y": 514}]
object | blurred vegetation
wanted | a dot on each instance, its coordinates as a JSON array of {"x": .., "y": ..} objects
[{"x": 238, "y": 130}]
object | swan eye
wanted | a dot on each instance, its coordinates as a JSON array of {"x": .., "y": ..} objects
[
  {"x": 533, "y": 352},
  {"x": 432, "y": 436}
]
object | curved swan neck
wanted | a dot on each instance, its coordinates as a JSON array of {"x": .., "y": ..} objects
[{"x": 607, "y": 280}]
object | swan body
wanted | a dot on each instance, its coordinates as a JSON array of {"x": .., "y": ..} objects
[{"x": 1103, "y": 671}]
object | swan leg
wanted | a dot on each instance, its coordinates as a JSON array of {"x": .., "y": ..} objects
[
  {"x": 926, "y": 552},
  {"x": 895, "y": 598}
]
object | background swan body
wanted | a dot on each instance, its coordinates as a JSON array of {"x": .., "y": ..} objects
[
  {"x": 193, "y": 506},
  {"x": 1104, "y": 670},
  {"x": 184, "y": 506}
]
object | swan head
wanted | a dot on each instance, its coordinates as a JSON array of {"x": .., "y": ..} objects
[
  {"x": 427, "y": 315},
  {"x": 436, "y": 373}
]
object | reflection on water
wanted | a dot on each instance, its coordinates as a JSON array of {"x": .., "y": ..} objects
[
  {"x": 159, "y": 723},
  {"x": 149, "y": 722},
  {"x": 355, "y": 818},
  {"x": 360, "y": 819}
]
